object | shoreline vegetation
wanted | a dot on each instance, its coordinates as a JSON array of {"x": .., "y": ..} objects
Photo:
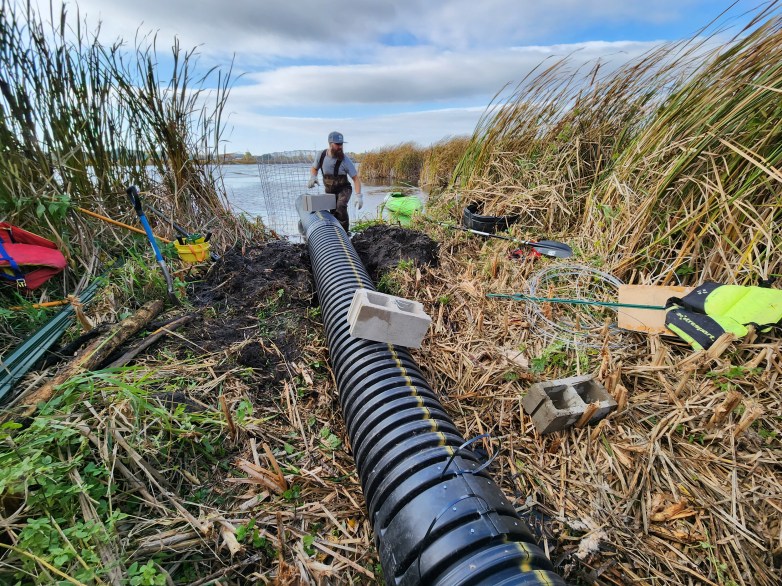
[
  {"x": 77, "y": 116},
  {"x": 430, "y": 167},
  {"x": 219, "y": 454}
]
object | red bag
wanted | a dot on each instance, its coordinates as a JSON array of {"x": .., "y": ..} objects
[{"x": 26, "y": 259}]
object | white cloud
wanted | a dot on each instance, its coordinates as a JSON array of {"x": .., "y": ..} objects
[
  {"x": 301, "y": 28},
  {"x": 400, "y": 79},
  {"x": 263, "y": 134},
  {"x": 384, "y": 71}
]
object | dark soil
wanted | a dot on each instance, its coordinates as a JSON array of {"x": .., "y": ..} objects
[
  {"x": 255, "y": 303},
  {"x": 381, "y": 248},
  {"x": 262, "y": 292},
  {"x": 245, "y": 278}
]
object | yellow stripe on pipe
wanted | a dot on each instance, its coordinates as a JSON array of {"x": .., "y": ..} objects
[{"x": 350, "y": 261}]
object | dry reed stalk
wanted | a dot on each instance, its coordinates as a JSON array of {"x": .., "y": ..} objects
[
  {"x": 753, "y": 412},
  {"x": 659, "y": 444},
  {"x": 228, "y": 419},
  {"x": 228, "y": 533},
  {"x": 258, "y": 475},
  {"x": 725, "y": 408}
]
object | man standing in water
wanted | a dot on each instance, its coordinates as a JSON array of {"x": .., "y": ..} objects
[{"x": 336, "y": 167}]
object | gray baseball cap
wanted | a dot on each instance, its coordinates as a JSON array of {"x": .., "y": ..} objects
[{"x": 336, "y": 137}]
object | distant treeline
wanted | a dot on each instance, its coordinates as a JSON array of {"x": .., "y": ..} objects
[
  {"x": 282, "y": 158},
  {"x": 430, "y": 167}
]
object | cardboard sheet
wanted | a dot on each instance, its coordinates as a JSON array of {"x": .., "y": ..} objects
[{"x": 651, "y": 321}]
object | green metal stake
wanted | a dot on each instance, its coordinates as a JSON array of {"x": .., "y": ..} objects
[{"x": 520, "y": 297}]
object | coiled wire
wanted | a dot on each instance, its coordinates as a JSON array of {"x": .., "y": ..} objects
[{"x": 582, "y": 325}]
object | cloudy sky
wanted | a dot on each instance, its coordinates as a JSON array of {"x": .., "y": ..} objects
[{"x": 389, "y": 71}]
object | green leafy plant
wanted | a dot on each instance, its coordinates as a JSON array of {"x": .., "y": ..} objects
[
  {"x": 244, "y": 411},
  {"x": 361, "y": 225},
  {"x": 55, "y": 463},
  {"x": 145, "y": 575},
  {"x": 307, "y": 541},
  {"x": 389, "y": 285},
  {"x": 553, "y": 355},
  {"x": 292, "y": 494},
  {"x": 243, "y": 530},
  {"x": 328, "y": 440}
]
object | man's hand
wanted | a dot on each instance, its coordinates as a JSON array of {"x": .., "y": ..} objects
[
  {"x": 312, "y": 182},
  {"x": 359, "y": 201}
]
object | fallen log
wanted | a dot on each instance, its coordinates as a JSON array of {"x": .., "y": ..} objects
[
  {"x": 92, "y": 355},
  {"x": 69, "y": 350}
]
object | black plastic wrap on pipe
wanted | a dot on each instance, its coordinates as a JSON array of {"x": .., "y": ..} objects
[{"x": 437, "y": 516}]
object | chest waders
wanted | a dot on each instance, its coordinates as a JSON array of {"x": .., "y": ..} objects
[
  {"x": 333, "y": 182},
  {"x": 340, "y": 186}
]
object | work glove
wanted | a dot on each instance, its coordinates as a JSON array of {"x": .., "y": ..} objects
[
  {"x": 312, "y": 182},
  {"x": 359, "y": 201}
]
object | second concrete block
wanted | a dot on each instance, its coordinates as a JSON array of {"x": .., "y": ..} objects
[{"x": 558, "y": 404}]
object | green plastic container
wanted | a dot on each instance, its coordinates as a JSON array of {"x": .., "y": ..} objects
[{"x": 401, "y": 208}]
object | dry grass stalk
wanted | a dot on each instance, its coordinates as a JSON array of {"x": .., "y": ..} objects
[
  {"x": 228, "y": 533},
  {"x": 725, "y": 408},
  {"x": 670, "y": 491},
  {"x": 589, "y": 411},
  {"x": 280, "y": 477},
  {"x": 228, "y": 419},
  {"x": 258, "y": 475},
  {"x": 751, "y": 414}
]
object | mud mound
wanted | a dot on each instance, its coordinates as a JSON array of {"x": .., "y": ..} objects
[
  {"x": 257, "y": 295},
  {"x": 381, "y": 248},
  {"x": 247, "y": 278}
]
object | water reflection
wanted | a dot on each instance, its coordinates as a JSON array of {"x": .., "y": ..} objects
[{"x": 270, "y": 192}]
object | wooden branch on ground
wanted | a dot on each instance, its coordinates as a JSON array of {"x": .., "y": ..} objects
[
  {"x": 67, "y": 351},
  {"x": 93, "y": 354}
]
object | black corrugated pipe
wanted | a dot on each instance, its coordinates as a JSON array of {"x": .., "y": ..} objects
[{"x": 438, "y": 518}]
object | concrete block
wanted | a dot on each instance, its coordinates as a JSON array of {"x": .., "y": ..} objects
[
  {"x": 552, "y": 407},
  {"x": 384, "y": 318},
  {"x": 319, "y": 202},
  {"x": 592, "y": 391},
  {"x": 559, "y": 404}
]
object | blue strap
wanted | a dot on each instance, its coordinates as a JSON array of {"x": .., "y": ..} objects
[{"x": 18, "y": 274}]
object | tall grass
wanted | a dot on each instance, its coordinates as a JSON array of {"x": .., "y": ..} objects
[
  {"x": 440, "y": 160},
  {"x": 80, "y": 120},
  {"x": 430, "y": 167},
  {"x": 668, "y": 165},
  {"x": 665, "y": 170},
  {"x": 401, "y": 162}
]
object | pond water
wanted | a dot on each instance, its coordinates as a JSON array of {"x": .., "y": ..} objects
[{"x": 270, "y": 192}]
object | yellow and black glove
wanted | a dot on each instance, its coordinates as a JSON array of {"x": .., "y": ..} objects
[{"x": 703, "y": 315}]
